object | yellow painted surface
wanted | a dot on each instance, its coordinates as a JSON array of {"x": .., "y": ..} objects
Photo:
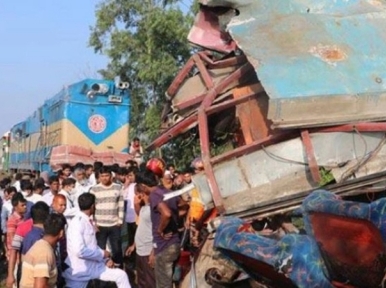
[
  {"x": 117, "y": 141},
  {"x": 64, "y": 132}
]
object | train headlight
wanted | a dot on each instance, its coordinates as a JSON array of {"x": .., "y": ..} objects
[
  {"x": 98, "y": 88},
  {"x": 123, "y": 85}
]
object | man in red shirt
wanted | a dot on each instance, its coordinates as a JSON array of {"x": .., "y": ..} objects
[{"x": 19, "y": 204}]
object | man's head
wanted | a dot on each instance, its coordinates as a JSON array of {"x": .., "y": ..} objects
[
  {"x": 9, "y": 192},
  {"x": 131, "y": 172},
  {"x": 66, "y": 169},
  {"x": 44, "y": 175},
  {"x": 79, "y": 174},
  {"x": 97, "y": 165},
  {"x": 60, "y": 174},
  {"x": 167, "y": 180},
  {"x": 2, "y": 184},
  {"x": 68, "y": 184},
  {"x": 18, "y": 176},
  {"x": 39, "y": 188},
  {"x": 54, "y": 184},
  {"x": 171, "y": 169},
  {"x": 26, "y": 186},
  {"x": 105, "y": 176},
  {"x": 54, "y": 226},
  {"x": 19, "y": 203},
  {"x": 40, "y": 181},
  {"x": 79, "y": 165},
  {"x": 39, "y": 212},
  {"x": 88, "y": 169},
  {"x": 178, "y": 179},
  {"x": 115, "y": 168},
  {"x": 136, "y": 141},
  {"x": 188, "y": 176},
  {"x": 86, "y": 202},
  {"x": 131, "y": 163},
  {"x": 121, "y": 174},
  {"x": 146, "y": 181},
  {"x": 5, "y": 183},
  {"x": 197, "y": 165},
  {"x": 142, "y": 196},
  {"x": 59, "y": 203}
]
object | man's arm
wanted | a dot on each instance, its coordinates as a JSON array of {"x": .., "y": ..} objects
[
  {"x": 13, "y": 255},
  {"x": 42, "y": 264},
  {"x": 121, "y": 211},
  {"x": 11, "y": 229},
  {"x": 3, "y": 218},
  {"x": 75, "y": 241},
  {"x": 70, "y": 212},
  {"x": 137, "y": 204},
  {"x": 166, "y": 215},
  {"x": 41, "y": 282}
]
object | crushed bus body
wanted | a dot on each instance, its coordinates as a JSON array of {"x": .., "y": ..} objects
[{"x": 303, "y": 83}]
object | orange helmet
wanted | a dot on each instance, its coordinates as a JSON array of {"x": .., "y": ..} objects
[{"x": 157, "y": 166}]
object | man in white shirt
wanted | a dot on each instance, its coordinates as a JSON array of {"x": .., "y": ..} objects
[
  {"x": 2, "y": 188},
  {"x": 18, "y": 178},
  {"x": 89, "y": 170},
  {"x": 128, "y": 197},
  {"x": 85, "y": 259},
  {"x": 81, "y": 185},
  {"x": 68, "y": 191},
  {"x": 54, "y": 189},
  {"x": 27, "y": 189},
  {"x": 92, "y": 179},
  {"x": 7, "y": 208}
]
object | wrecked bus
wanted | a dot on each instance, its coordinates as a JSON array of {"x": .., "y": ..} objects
[{"x": 299, "y": 87}]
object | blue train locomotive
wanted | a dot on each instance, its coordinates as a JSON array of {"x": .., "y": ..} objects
[{"x": 91, "y": 117}]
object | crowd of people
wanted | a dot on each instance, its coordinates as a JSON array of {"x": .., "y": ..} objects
[{"x": 65, "y": 230}]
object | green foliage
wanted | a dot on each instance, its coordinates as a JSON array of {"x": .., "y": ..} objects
[{"x": 146, "y": 44}]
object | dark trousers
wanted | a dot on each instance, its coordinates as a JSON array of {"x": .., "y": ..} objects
[
  {"x": 164, "y": 263},
  {"x": 145, "y": 274},
  {"x": 113, "y": 234},
  {"x": 130, "y": 260},
  {"x": 2, "y": 245},
  {"x": 131, "y": 228}
]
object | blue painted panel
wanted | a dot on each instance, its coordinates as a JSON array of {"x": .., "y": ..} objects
[
  {"x": 21, "y": 161},
  {"x": 303, "y": 48}
]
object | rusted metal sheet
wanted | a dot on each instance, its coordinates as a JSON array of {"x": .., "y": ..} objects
[
  {"x": 281, "y": 170},
  {"x": 195, "y": 86},
  {"x": 213, "y": 85},
  {"x": 252, "y": 114},
  {"x": 311, "y": 160},
  {"x": 320, "y": 61}
]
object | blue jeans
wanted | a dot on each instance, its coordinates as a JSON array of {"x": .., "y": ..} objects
[{"x": 113, "y": 234}]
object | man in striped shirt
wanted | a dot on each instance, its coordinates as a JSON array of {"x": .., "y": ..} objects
[
  {"x": 19, "y": 205},
  {"x": 39, "y": 264},
  {"x": 109, "y": 214}
]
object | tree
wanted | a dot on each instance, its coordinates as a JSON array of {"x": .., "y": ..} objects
[{"x": 145, "y": 41}]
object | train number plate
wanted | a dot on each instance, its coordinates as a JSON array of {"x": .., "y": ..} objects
[{"x": 115, "y": 99}]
